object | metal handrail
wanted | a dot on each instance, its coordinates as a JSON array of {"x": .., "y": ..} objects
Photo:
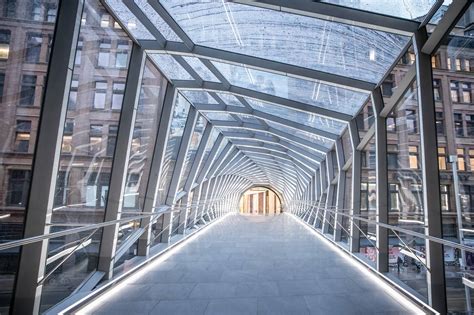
[
  {"x": 396, "y": 228},
  {"x": 39, "y": 238}
]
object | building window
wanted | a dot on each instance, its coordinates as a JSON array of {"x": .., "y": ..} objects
[
  {"x": 111, "y": 139},
  {"x": 100, "y": 94},
  {"x": 18, "y": 186},
  {"x": 27, "y": 93},
  {"x": 104, "y": 54},
  {"x": 121, "y": 58},
  {"x": 470, "y": 125},
  {"x": 467, "y": 65},
  {"x": 454, "y": 91},
  {"x": 2, "y": 85},
  {"x": 130, "y": 198},
  {"x": 117, "y": 95},
  {"x": 391, "y": 124},
  {"x": 77, "y": 60},
  {"x": 392, "y": 156},
  {"x": 72, "y": 102},
  {"x": 448, "y": 63},
  {"x": 60, "y": 193},
  {"x": 67, "y": 136},
  {"x": 4, "y": 44},
  {"x": 413, "y": 151},
  {"x": 444, "y": 197},
  {"x": 439, "y": 123},
  {"x": 36, "y": 11},
  {"x": 458, "y": 125},
  {"x": 9, "y": 8},
  {"x": 437, "y": 89},
  {"x": 461, "y": 159},
  {"x": 394, "y": 198},
  {"x": 22, "y": 136},
  {"x": 50, "y": 13},
  {"x": 387, "y": 86},
  {"x": 97, "y": 189},
  {"x": 442, "y": 158},
  {"x": 411, "y": 121},
  {"x": 95, "y": 139},
  {"x": 458, "y": 64},
  {"x": 471, "y": 159},
  {"x": 33, "y": 48},
  {"x": 466, "y": 92},
  {"x": 434, "y": 61},
  {"x": 105, "y": 20}
]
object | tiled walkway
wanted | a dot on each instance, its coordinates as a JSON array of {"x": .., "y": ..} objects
[{"x": 253, "y": 265}]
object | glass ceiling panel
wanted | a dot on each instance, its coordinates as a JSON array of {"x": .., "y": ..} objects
[
  {"x": 248, "y": 119},
  {"x": 199, "y": 97},
  {"x": 229, "y": 99},
  {"x": 313, "y": 93},
  {"x": 129, "y": 20},
  {"x": 156, "y": 19},
  {"x": 201, "y": 69},
  {"x": 304, "y": 41},
  {"x": 407, "y": 9},
  {"x": 218, "y": 116},
  {"x": 305, "y": 118},
  {"x": 170, "y": 67},
  {"x": 302, "y": 134}
]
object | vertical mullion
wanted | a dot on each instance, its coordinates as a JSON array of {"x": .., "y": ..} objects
[
  {"x": 341, "y": 187},
  {"x": 121, "y": 157},
  {"x": 354, "y": 243},
  {"x": 431, "y": 194},
  {"x": 198, "y": 159},
  {"x": 381, "y": 180},
  {"x": 32, "y": 262},
  {"x": 156, "y": 169}
]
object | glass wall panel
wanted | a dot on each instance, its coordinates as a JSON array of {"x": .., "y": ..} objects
[
  {"x": 170, "y": 67},
  {"x": 26, "y": 34},
  {"x": 150, "y": 103},
  {"x": 192, "y": 150},
  {"x": 88, "y": 146},
  {"x": 412, "y": 9},
  {"x": 406, "y": 209},
  {"x": 316, "y": 93},
  {"x": 178, "y": 122},
  {"x": 333, "y": 47},
  {"x": 453, "y": 87}
]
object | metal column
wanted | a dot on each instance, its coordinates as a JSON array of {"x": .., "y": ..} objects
[
  {"x": 32, "y": 263},
  {"x": 430, "y": 175},
  {"x": 354, "y": 244},
  {"x": 381, "y": 180},
  {"x": 118, "y": 173}
]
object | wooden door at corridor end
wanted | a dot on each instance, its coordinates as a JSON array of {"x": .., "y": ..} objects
[{"x": 260, "y": 201}]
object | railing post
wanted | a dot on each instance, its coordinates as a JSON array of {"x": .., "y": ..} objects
[
  {"x": 431, "y": 194},
  {"x": 381, "y": 180},
  {"x": 32, "y": 263},
  {"x": 118, "y": 173}
]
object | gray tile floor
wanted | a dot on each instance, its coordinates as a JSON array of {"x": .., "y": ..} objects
[{"x": 253, "y": 265}]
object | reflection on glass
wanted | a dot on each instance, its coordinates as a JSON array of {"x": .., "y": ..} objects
[
  {"x": 84, "y": 168},
  {"x": 316, "y": 93},
  {"x": 289, "y": 38},
  {"x": 24, "y": 58},
  {"x": 170, "y": 67},
  {"x": 192, "y": 149},
  {"x": 141, "y": 151}
]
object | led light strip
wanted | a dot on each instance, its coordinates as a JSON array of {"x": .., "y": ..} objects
[
  {"x": 399, "y": 297},
  {"x": 136, "y": 273}
]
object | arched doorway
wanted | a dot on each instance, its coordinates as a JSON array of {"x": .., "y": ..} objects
[{"x": 260, "y": 201}]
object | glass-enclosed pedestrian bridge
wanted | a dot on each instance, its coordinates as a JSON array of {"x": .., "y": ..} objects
[{"x": 265, "y": 156}]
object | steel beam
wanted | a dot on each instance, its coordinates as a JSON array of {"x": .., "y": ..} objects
[
  {"x": 341, "y": 188},
  {"x": 199, "y": 157},
  {"x": 354, "y": 244}
]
